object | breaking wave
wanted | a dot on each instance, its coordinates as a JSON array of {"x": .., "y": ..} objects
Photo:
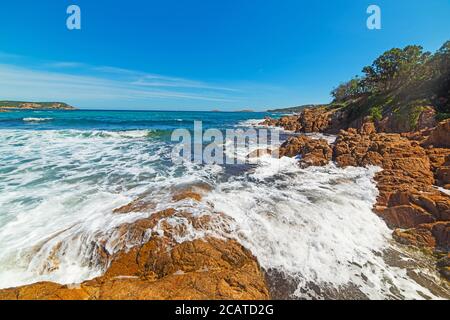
[{"x": 37, "y": 119}]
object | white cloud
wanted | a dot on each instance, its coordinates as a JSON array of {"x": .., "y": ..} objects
[{"x": 36, "y": 84}]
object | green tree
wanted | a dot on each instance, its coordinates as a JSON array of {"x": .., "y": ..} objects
[
  {"x": 440, "y": 64},
  {"x": 395, "y": 68},
  {"x": 348, "y": 90}
]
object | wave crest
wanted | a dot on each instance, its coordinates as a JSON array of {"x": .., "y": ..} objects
[{"x": 37, "y": 119}]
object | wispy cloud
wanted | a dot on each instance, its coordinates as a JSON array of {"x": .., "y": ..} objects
[
  {"x": 157, "y": 80},
  {"x": 100, "y": 86},
  {"x": 115, "y": 70},
  {"x": 22, "y": 82},
  {"x": 74, "y": 80},
  {"x": 65, "y": 64}
]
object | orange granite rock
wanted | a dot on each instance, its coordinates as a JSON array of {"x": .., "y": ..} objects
[
  {"x": 138, "y": 205},
  {"x": 289, "y": 123},
  {"x": 418, "y": 237},
  {"x": 187, "y": 195},
  {"x": 161, "y": 268},
  {"x": 313, "y": 152},
  {"x": 310, "y": 120},
  {"x": 440, "y": 137},
  {"x": 413, "y": 164}
]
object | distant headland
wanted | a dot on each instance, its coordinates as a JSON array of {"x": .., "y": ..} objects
[
  {"x": 244, "y": 110},
  {"x": 295, "y": 109},
  {"x": 11, "y": 105}
]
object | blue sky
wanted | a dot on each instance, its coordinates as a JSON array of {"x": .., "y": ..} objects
[{"x": 201, "y": 54}]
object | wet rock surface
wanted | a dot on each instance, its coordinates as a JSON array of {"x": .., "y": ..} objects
[
  {"x": 161, "y": 268},
  {"x": 312, "y": 152}
]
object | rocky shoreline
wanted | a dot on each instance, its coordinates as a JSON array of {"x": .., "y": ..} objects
[
  {"x": 194, "y": 270},
  {"x": 160, "y": 268},
  {"x": 414, "y": 165}
]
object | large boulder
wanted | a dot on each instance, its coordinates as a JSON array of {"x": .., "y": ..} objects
[
  {"x": 289, "y": 123},
  {"x": 315, "y": 120},
  {"x": 440, "y": 136},
  {"x": 312, "y": 152},
  {"x": 432, "y": 235},
  {"x": 309, "y": 120},
  {"x": 437, "y": 145}
]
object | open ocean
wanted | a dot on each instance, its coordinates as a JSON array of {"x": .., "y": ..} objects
[{"x": 63, "y": 173}]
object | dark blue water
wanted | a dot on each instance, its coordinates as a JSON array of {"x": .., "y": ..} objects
[{"x": 121, "y": 120}]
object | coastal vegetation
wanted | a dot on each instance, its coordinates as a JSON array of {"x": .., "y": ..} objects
[
  {"x": 404, "y": 89},
  {"x": 400, "y": 83}
]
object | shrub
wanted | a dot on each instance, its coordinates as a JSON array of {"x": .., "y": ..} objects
[{"x": 376, "y": 113}]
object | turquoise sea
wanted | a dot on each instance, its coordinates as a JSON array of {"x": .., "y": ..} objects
[{"x": 121, "y": 120}]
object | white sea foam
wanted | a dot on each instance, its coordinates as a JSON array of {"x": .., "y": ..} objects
[
  {"x": 129, "y": 134},
  {"x": 58, "y": 190},
  {"x": 37, "y": 119},
  {"x": 446, "y": 191},
  {"x": 316, "y": 226},
  {"x": 250, "y": 123}
]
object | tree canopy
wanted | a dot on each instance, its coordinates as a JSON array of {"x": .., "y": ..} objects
[{"x": 403, "y": 75}]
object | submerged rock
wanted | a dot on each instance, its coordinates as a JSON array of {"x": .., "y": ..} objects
[
  {"x": 260, "y": 153},
  {"x": 137, "y": 205}
]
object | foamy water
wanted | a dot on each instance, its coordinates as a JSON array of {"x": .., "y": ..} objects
[
  {"x": 37, "y": 119},
  {"x": 315, "y": 226},
  {"x": 57, "y": 193},
  {"x": 58, "y": 190}
]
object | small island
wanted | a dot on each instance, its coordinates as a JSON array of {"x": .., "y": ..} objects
[{"x": 22, "y": 105}]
